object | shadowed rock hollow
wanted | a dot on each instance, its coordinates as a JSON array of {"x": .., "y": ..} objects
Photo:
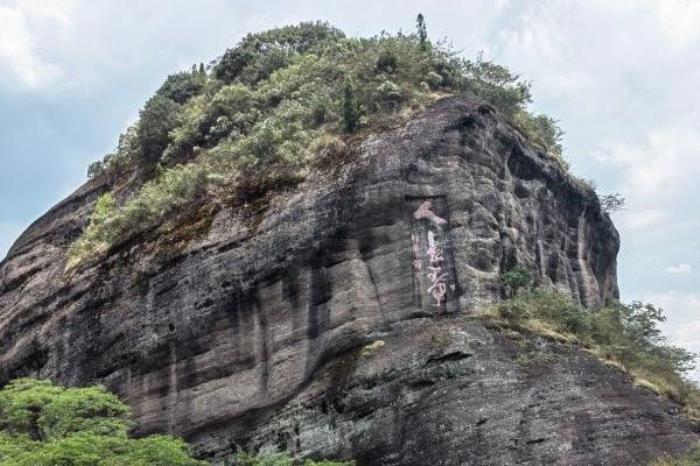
[{"x": 339, "y": 322}]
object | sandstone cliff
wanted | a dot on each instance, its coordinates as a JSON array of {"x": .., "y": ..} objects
[{"x": 339, "y": 321}]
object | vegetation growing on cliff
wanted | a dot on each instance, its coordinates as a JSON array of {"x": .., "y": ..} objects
[
  {"x": 623, "y": 335},
  {"x": 42, "y": 424},
  {"x": 278, "y": 102},
  {"x": 281, "y": 459}
]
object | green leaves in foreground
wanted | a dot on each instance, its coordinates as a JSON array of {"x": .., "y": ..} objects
[{"x": 45, "y": 425}]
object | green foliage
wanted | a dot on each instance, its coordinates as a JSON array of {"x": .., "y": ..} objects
[
  {"x": 182, "y": 86},
  {"x": 281, "y": 459},
  {"x": 549, "y": 306},
  {"x": 514, "y": 280},
  {"x": 99, "y": 234},
  {"x": 257, "y": 56},
  {"x": 611, "y": 203},
  {"x": 128, "y": 151},
  {"x": 628, "y": 335},
  {"x": 351, "y": 112},
  {"x": 542, "y": 130},
  {"x": 497, "y": 85},
  {"x": 45, "y": 425},
  {"x": 157, "y": 119},
  {"x": 422, "y": 31},
  {"x": 387, "y": 62},
  {"x": 267, "y": 106},
  {"x": 173, "y": 191}
]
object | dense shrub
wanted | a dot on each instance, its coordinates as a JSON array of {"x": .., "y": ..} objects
[
  {"x": 514, "y": 280},
  {"x": 351, "y": 111},
  {"x": 181, "y": 87},
  {"x": 257, "y": 56},
  {"x": 45, "y": 425},
  {"x": 496, "y": 84},
  {"x": 157, "y": 119},
  {"x": 542, "y": 130},
  {"x": 120, "y": 161}
]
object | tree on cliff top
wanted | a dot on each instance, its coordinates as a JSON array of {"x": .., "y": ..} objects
[
  {"x": 45, "y": 425},
  {"x": 422, "y": 31}
]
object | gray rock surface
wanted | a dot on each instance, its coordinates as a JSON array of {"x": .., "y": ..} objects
[{"x": 339, "y": 322}]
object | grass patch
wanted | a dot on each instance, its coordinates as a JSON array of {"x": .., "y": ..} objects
[
  {"x": 372, "y": 349},
  {"x": 691, "y": 458},
  {"x": 531, "y": 356}
]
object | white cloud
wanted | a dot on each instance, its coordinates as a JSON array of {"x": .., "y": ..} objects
[
  {"x": 666, "y": 160},
  {"x": 683, "y": 324},
  {"x": 27, "y": 30},
  {"x": 17, "y": 54},
  {"x": 680, "y": 269},
  {"x": 640, "y": 219},
  {"x": 657, "y": 175},
  {"x": 679, "y": 21}
]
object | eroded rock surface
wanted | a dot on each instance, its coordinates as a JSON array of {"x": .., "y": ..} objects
[{"x": 339, "y": 325}]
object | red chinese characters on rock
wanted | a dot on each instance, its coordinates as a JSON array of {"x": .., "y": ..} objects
[
  {"x": 438, "y": 288},
  {"x": 438, "y": 278},
  {"x": 425, "y": 212}
]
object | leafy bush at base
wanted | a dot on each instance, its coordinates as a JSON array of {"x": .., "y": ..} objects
[
  {"x": 627, "y": 335},
  {"x": 45, "y": 425}
]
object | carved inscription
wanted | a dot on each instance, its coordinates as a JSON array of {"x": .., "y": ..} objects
[{"x": 431, "y": 266}]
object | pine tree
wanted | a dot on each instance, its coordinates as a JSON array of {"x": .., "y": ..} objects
[
  {"x": 201, "y": 68},
  {"x": 422, "y": 31},
  {"x": 351, "y": 112}
]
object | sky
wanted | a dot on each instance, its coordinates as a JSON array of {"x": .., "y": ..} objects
[{"x": 621, "y": 77}]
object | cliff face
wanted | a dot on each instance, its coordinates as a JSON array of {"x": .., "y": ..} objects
[{"x": 339, "y": 321}]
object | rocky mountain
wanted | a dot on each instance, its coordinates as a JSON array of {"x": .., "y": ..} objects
[{"x": 339, "y": 320}]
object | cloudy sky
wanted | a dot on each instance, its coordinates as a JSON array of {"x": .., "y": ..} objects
[{"x": 620, "y": 75}]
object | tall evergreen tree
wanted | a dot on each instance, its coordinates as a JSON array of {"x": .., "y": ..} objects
[
  {"x": 351, "y": 111},
  {"x": 422, "y": 31}
]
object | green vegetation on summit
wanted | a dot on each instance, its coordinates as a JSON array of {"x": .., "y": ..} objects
[{"x": 278, "y": 104}]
